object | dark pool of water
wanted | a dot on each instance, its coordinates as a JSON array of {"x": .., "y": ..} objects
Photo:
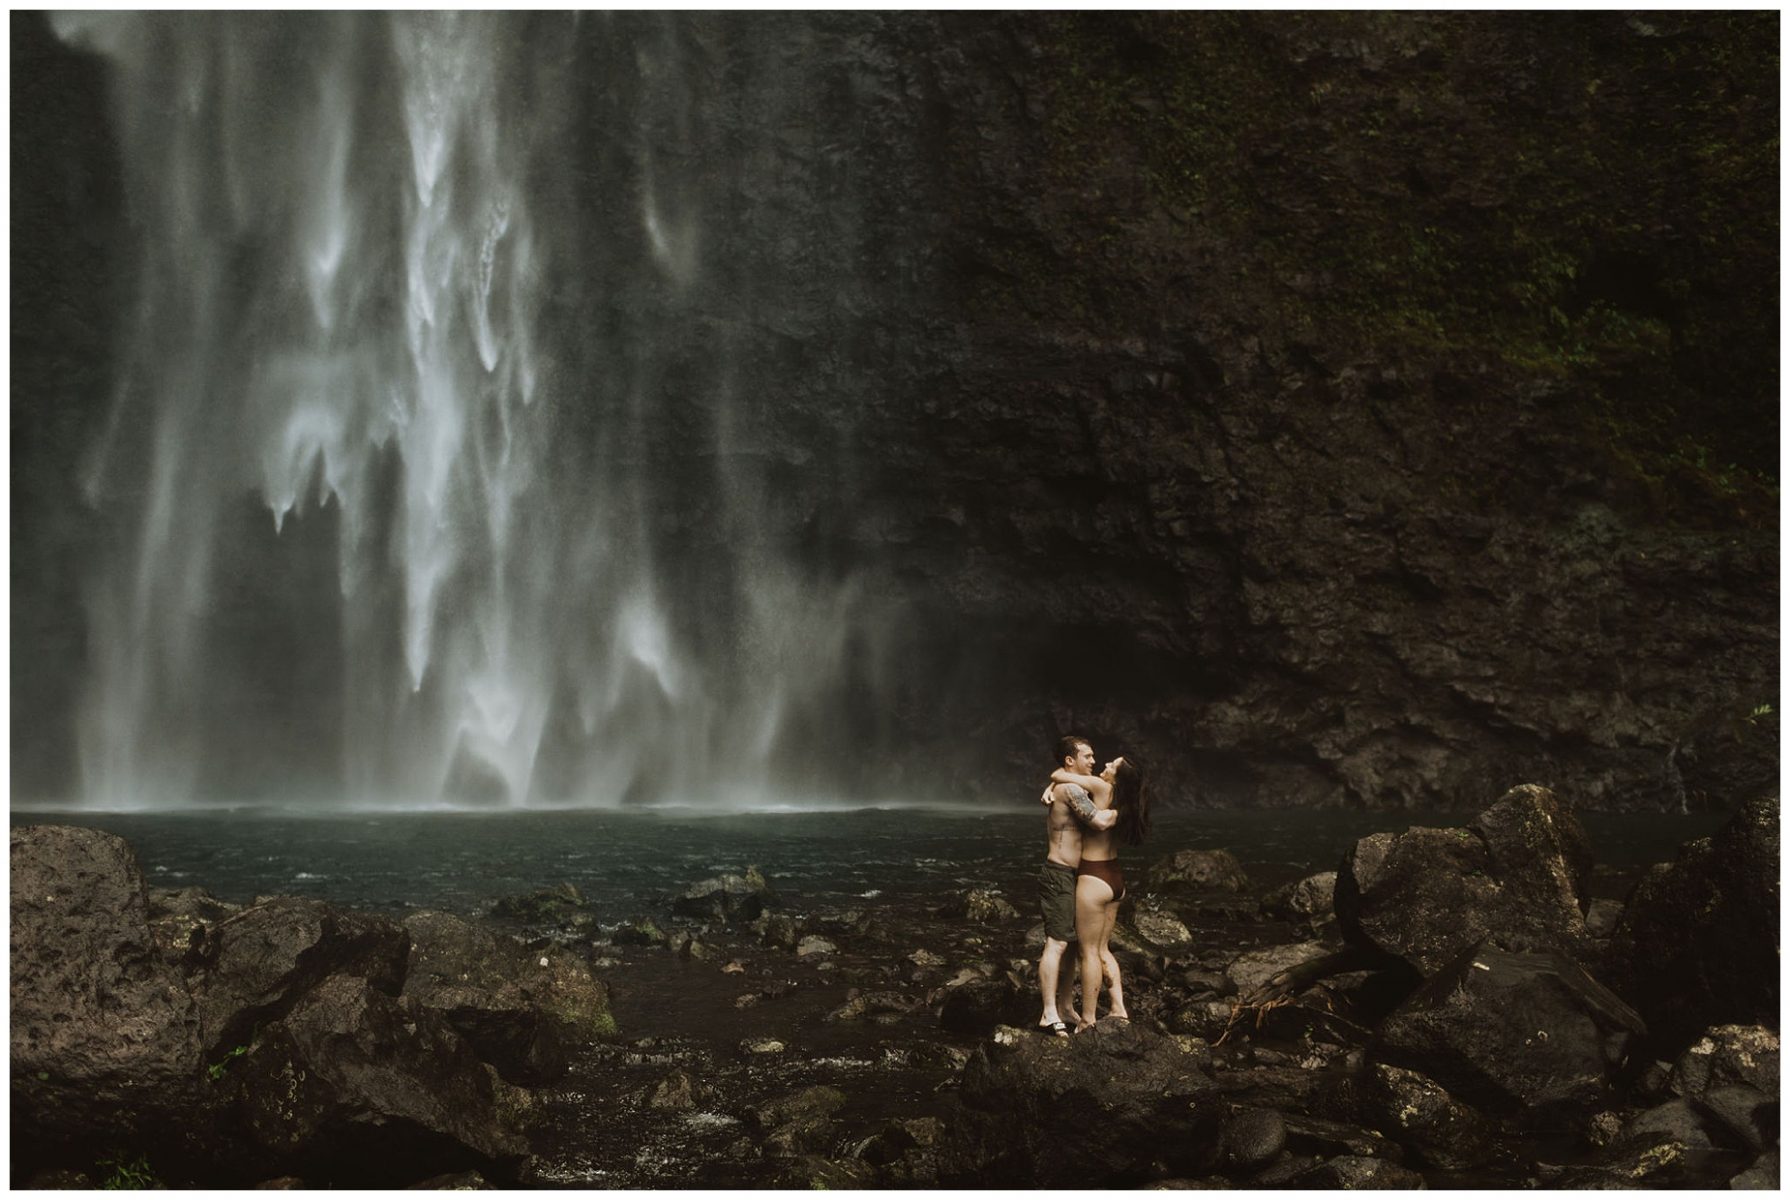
[{"x": 626, "y": 860}]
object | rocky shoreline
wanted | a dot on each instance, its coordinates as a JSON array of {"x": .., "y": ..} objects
[{"x": 1450, "y": 1008}]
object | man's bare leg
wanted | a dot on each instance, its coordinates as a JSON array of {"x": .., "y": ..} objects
[{"x": 1052, "y": 980}]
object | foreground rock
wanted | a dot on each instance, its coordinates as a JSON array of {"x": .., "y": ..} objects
[
  {"x": 1112, "y": 1107},
  {"x": 1513, "y": 1034},
  {"x": 522, "y": 1011},
  {"x": 1516, "y": 873},
  {"x": 1417, "y": 1113},
  {"x": 354, "y": 1086},
  {"x": 105, "y": 1035},
  {"x": 263, "y": 960},
  {"x": 1698, "y": 943}
]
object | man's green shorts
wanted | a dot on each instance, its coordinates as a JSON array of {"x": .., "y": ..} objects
[{"x": 1056, "y": 896}]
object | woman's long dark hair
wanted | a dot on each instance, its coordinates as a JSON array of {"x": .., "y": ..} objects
[{"x": 1133, "y": 825}]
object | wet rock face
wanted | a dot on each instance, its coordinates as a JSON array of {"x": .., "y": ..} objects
[
  {"x": 1698, "y": 943},
  {"x": 103, "y": 1030},
  {"x": 1516, "y": 873},
  {"x": 1105, "y": 1108},
  {"x": 520, "y": 1010},
  {"x": 260, "y": 962},
  {"x": 1417, "y": 1113},
  {"x": 1511, "y": 1034},
  {"x": 361, "y": 1088}
]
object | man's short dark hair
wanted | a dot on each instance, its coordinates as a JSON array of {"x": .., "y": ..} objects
[{"x": 1066, "y": 747}]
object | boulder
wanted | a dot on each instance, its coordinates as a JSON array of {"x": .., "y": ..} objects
[
  {"x": 558, "y": 905},
  {"x": 105, "y": 1036},
  {"x": 677, "y": 1092},
  {"x": 522, "y": 1011},
  {"x": 180, "y": 919},
  {"x": 1761, "y": 1176},
  {"x": 1197, "y": 870},
  {"x": 731, "y": 899},
  {"x": 1674, "y": 1121},
  {"x": 1353, "y": 1173},
  {"x": 1162, "y": 929},
  {"x": 263, "y": 960},
  {"x": 642, "y": 932},
  {"x": 1310, "y": 902},
  {"x": 978, "y": 1005},
  {"x": 1252, "y": 1138},
  {"x": 1728, "y": 1056},
  {"x": 871, "y": 1004},
  {"x": 1110, "y": 1107},
  {"x": 779, "y": 930},
  {"x": 1251, "y": 970},
  {"x": 1698, "y": 943},
  {"x": 814, "y": 944},
  {"x": 1730, "y": 1076},
  {"x": 1512, "y": 1033},
  {"x": 980, "y": 904},
  {"x": 354, "y": 1086},
  {"x": 804, "y": 1104},
  {"x": 457, "y": 1181},
  {"x": 1417, "y": 1113},
  {"x": 1427, "y": 894}
]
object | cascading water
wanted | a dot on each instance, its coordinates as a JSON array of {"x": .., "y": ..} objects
[{"x": 387, "y": 292}]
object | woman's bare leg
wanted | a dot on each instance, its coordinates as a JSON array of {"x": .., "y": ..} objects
[
  {"x": 1111, "y": 964},
  {"x": 1091, "y": 898}
]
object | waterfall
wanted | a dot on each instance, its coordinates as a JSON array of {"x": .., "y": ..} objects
[{"x": 394, "y": 292}]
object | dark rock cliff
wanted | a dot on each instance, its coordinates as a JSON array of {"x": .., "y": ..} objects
[{"x": 1368, "y": 409}]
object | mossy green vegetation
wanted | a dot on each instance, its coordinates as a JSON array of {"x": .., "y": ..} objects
[
  {"x": 119, "y": 1173},
  {"x": 1586, "y": 197}
]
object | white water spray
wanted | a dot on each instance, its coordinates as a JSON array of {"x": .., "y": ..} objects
[{"x": 344, "y": 287}]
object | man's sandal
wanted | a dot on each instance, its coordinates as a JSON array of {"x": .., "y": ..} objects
[{"x": 1055, "y": 1029}]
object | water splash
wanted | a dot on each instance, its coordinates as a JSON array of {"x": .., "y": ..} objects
[{"x": 358, "y": 231}]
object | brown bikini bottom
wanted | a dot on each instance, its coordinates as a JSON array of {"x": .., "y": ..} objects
[{"x": 1107, "y": 871}]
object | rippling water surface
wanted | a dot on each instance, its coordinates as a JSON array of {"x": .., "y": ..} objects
[{"x": 627, "y": 860}]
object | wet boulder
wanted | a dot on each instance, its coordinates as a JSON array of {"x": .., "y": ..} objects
[
  {"x": 1197, "y": 870},
  {"x": 1730, "y": 1075},
  {"x": 1698, "y": 943},
  {"x": 559, "y": 905},
  {"x": 355, "y": 1086},
  {"x": 1252, "y": 1138},
  {"x": 976, "y": 1006},
  {"x": 105, "y": 1036},
  {"x": 1514, "y": 873},
  {"x": 1113, "y": 1106},
  {"x": 1309, "y": 902},
  {"x": 1354, "y": 1173},
  {"x": 1162, "y": 929},
  {"x": 642, "y": 932},
  {"x": 522, "y": 1011},
  {"x": 803, "y": 1104},
  {"x": 980, "y": 904},
  {"x": 1417, "y": 1113},
  {"x": 263, "y": 960},
  {"x": 1511, "y": 1034},
  {"x": 1249, "y": 971},
  {"x": 180, "y": 919},
  {"x": 730, "y": 899}
]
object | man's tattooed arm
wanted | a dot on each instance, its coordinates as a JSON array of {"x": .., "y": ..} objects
[{"x": 1079, "y": 802}]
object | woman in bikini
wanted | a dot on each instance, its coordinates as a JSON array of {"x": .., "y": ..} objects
[{"x": 1099, "y": 884}]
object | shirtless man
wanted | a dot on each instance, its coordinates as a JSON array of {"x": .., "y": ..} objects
[{"x": 1070, "y": 808}]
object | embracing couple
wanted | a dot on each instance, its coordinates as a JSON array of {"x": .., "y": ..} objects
[{"x": 1080, "y": 885}]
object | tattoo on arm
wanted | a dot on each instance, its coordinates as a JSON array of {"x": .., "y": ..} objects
[{"x": 1079, "y": 802}]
